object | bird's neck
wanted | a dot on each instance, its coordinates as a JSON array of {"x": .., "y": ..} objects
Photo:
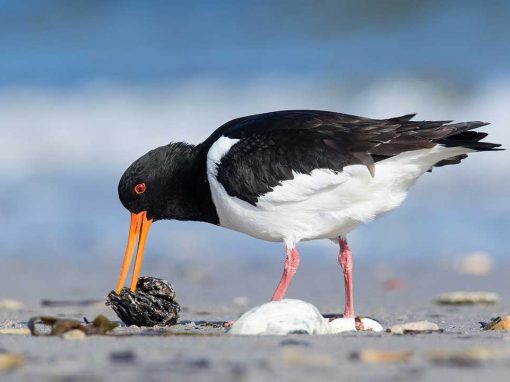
[{"x": 195, "y": 201}]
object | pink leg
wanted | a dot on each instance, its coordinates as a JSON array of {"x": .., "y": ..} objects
[
  {"x": 290, "y": 268},
  {"x": 345, "y": 260}
]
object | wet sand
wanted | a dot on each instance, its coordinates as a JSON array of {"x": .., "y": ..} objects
[{"x": 211, "y": 292}]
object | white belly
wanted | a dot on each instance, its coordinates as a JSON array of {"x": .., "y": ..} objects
[
  {"x": 328, "y": 214},
  {"x": 325, "y": 204}
]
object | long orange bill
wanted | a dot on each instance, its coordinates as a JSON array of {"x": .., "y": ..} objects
[{"x": 138, "y": 230}]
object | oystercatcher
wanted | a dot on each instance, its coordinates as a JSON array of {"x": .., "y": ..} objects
[{"x": 290, "y": 176}]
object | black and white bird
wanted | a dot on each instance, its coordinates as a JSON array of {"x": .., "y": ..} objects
[{"x": 290, "y": 176}]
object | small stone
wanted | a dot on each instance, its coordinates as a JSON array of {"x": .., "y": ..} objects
[
  {"x": 476, "y": 264},
  {"x": 498, "y": 323},
  {"x": 10, "y": 361},
  {"x": 467, "y": 357},
  {"x": 152, "y": 304},
  {"x": 382, "y": 356},
  {"x": 10, "y": 304},
  {"x": 414, "y": 327},
  {"x": 467, "y": 298},
  {"x": 75, "y": 334}
]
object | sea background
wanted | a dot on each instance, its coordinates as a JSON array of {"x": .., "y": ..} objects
[{"x": 86, "y": 87}]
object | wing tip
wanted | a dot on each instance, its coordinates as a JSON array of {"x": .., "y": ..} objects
[{"x": 403, "y": 118}]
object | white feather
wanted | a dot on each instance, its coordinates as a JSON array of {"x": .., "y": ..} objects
[
  {"x": 301, "y": 187},
  {"x": 218, "y": 151},
  {"x": 323, "y": 204}
]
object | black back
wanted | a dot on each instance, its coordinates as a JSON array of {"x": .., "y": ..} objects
[{"x": 273, "y": 145}]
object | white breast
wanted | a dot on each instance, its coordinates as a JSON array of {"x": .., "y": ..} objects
[{"x": 322, "y": 204}]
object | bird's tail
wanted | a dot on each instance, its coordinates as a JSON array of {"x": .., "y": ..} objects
[{"x": 463, "y": 136}]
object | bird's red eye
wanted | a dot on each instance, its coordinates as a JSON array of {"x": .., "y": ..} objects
[{"x": 140, "y": 188}]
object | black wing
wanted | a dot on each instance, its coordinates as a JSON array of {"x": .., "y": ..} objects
[{"x": 273, "y": 145}]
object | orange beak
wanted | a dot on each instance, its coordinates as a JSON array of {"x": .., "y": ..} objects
[{"x": 138, "y": 230}]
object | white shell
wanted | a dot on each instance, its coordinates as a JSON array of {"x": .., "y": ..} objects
[
  {"x": 281, "y": 318},
  {"x": 340, "y": 325},
  {"x": 294, "y": 316}
]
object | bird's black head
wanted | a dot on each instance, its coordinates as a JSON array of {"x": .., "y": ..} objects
[
  {"x": 157, "y": 182},
  {"x": 169, "y": 182},
  {"x": 159, "y": 185}
]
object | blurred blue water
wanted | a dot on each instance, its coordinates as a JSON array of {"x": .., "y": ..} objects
[
  {"x": 88, "y": 86},
  {"x": 57, "y": 42}
]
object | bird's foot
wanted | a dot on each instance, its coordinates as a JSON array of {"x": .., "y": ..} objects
[{"x": 341, "y": 324}]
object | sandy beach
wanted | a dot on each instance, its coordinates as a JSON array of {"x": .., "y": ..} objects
[{"x": 197, "y": 349}]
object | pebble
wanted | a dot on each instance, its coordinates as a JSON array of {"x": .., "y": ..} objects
[
  {"x": 476, "y": 264},
  {"x": 414, "y": 327},
  {"x": 498, "y": 323},
  {"x": 9, "y": 361},
  {"x": 75, "y": 334},
  {"x": 382, "y": 356},
  {"x": 467, "y": 298},
  {"x": 467, "y": 357},
  {"x": 10, "y": 304}
]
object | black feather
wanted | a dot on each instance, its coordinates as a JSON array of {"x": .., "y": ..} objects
[{"x": 272, "y": 146}]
